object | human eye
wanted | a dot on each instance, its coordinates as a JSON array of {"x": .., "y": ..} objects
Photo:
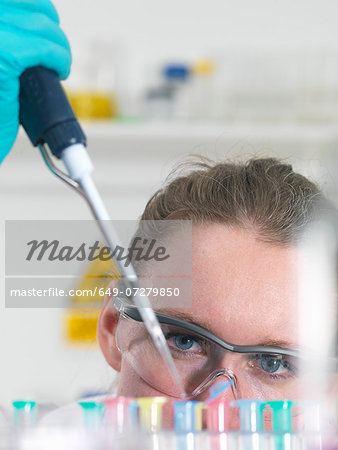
[
  {"x": 276, "y": 367},
  {"x": 186, "y": 345}
]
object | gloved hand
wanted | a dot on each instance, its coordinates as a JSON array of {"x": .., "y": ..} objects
[{"x": 29, "y": 36}]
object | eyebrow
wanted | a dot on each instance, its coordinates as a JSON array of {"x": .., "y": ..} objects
[
  {"x": 183, "y": 316},
  {"x": 187, "y": 318},
  {"x": 279, "y": 343}
]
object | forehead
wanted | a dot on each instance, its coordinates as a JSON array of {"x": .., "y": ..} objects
[{"x": 244, "y": 290}]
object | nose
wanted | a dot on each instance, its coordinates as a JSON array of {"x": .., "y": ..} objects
[{"x": 211, "y": 387}]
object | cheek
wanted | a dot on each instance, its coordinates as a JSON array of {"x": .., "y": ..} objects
[{"x": 131, "y": 384}]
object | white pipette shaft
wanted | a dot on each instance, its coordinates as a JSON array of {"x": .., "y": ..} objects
[{"x": 79, "y": 167}]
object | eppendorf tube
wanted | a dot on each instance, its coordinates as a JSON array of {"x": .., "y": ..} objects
[
  {"x": 217, "y": 410},
  {"x": 92, "y": 414},
  {"x": 188, "y": 416},
  {"x": 218, "y": 415},
  {"x": 250, "y": 415},
  {"x": 251, "y": 423},
  {"x": 281, "y": 415},
  {"x": 188, "y": 421},
  {"x": 133, "y": 409},
  {"x": 116, "y": 413},
  {"x": 150, "y": 412},
  {"x": 281, "y": 423},
  {"x": 24, "y": 414}
]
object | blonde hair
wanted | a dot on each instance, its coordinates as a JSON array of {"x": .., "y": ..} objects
[{"x": 262, "y": 194}]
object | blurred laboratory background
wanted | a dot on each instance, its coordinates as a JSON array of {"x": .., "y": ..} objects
[{"x": 153, "y": 82}]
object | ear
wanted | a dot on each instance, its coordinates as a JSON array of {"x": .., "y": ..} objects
[{"x": 106, "y": 329}]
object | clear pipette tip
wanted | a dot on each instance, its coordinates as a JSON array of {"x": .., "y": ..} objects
[{"x": 218, "y": 389}]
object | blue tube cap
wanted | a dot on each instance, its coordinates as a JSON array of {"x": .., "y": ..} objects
[
  {"x": 176, "y": 72},
  {"x": 186, "y": 416}
]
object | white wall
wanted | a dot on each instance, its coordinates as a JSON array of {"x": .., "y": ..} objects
[
  {"x": 153, "y": 29},
  {"x": 135, "y": 37}
]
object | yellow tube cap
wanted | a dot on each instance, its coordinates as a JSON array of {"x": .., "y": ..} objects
[
  {"x": 151, "y": 412},
  {"x": 204, "y": 67}
]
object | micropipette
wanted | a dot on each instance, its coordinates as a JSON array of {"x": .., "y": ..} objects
[{"x": 51, "y": 125}]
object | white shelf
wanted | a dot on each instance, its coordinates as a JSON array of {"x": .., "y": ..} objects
[
  {"x": 160, "y": 137},
  {"x": 207, "y": 131},
  {"x": 143, "y": 153}
]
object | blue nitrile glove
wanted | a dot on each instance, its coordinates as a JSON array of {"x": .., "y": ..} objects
[{"x": 29, "y": 36}]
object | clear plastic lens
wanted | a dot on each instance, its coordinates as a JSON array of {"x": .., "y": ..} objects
[{"x": 267, "y": 376}]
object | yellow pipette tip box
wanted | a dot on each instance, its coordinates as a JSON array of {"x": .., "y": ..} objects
[
  {"x": 92, "y": 104},
  {"x": 94, "y": 283},
  {"x": 204, "y": 67},
  {"x": 80, "y": 325}
]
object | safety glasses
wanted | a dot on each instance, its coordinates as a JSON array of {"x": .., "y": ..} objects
[
  {"x": 126, "y": 309},
  {"x": 257, "y": 371}
]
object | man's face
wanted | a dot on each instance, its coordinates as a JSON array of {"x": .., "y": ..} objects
[{"x": 244, "y": 291}]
